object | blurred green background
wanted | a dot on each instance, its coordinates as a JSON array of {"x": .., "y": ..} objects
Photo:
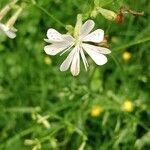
[{"x": 106, "y": 108}]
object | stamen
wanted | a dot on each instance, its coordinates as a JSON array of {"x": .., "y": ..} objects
[{"x": 67, "y": 49}]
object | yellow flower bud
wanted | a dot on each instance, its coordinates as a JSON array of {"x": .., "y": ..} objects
[
  {"x": 47, "y": 60},
  {"x": 108, "y": 14},
  {"x": 126, "y": 56},
  {"x": 96, "y": 111},
  {"x": 127, "y": 106}
]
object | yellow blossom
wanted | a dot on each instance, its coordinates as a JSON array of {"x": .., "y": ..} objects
[
  {"x": 47, "y": 60},
  {"x": 96, "y": 111},
  {"x": 127, "y": 106},
  {"x": 126, "y": 56}
]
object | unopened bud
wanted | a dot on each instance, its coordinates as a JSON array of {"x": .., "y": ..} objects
[
  {"x": 43, "y": 120},
  {"x": 94, "y": 13},
  {"x": 70, "y": 29},
  {"x": 37, "y": 147},
  {"x": 6, "y": 9},
  {"x": 29, "y": 142},
  {"x": 13, "y": 19},
  {"x": 108, "y": 14},
  {"x": 47, "y": 60},
  {"x": 78, "y": 26}
]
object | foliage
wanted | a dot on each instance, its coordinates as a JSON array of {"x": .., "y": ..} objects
[{"x": 43, "y": 107}]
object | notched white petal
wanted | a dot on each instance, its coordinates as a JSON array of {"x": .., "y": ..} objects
[
  {"x": 87, "y": 28},
  {"x": 97, "y": 36},
  {"x": 75, "y": 66},
  {"x": 67, "y": 62},
  {"x": 98, "y": 49},
  {"x": 55, "y": 48},
  {"x": 97, "y": 57},
  {"x": 54, "y": 35},
  {"x": 10, "y": 34}
]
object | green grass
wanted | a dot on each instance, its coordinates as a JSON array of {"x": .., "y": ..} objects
[{"x": 29, "y": 86}]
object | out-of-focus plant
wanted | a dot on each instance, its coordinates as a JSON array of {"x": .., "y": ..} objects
[{"x": 104, "y": 108}]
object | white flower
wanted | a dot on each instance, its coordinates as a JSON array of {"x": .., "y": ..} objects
[
  {"x": 8, "y": 28},
  {"x": 82, "y": 41},
  {"x": 10, "y": 32}
]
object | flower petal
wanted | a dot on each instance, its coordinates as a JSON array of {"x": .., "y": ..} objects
[
  {"x": 67, "y": 62},
  {"x": 47, "y": 40},
  {"x": 98, "y": 58},
  {"x": 97, "y": 49},
  {"x": 68, "y": 38},
  {"x": 87, "y": 28},
  {"x": 54, "y": 36},
  {"x": 10, "y": 34},
  {"x": 97, "y": 36},
  {"x": 55, "y": 48},
  {"x": 75, "y": 65},
  {"x": 65, "y": 38}
]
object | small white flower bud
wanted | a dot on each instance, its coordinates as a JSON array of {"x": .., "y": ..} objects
[
  {"x": 108, "y": 14},
  {"x": 70, "y": 29},
  {"x": 6, "y": 9},
  {"x": 29, "y": 142},
  {"x": 78, "y": 26},
  {"x": 43, "y": 120},
  {"x": 37, "y": 147},
  {"x": 13, "y": 19}
]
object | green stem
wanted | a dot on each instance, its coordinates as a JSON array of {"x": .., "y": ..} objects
[
  {"x": 91, "y": 76},
  {"x": 117, "y": 63},
  {"x": 22, "y": 110},
  {"x": 50, "y": 15},
  {"x": 132, "y": 44},
  {"x": 19, "y": 135}
]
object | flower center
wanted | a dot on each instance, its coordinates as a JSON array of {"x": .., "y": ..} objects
[{"x": 78, "y": 41}]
